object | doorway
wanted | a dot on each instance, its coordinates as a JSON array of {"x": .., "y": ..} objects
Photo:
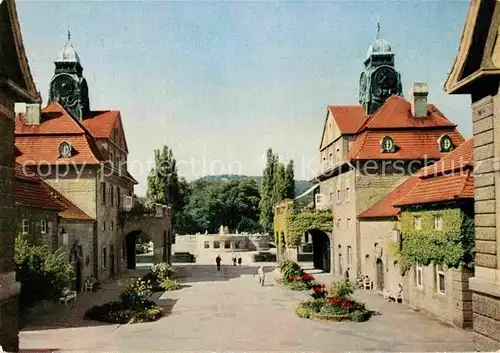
[{"x": 380, "y": 274}]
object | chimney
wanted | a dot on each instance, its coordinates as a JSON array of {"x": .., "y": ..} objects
[
  {"x": 32, "y": 115},
  {"x": 418, "y": 99}
]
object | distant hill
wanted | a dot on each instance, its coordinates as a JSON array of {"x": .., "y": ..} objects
[{"x": 300, "y": 185}]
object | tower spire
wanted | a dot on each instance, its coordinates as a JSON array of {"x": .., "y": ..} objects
[{"x": 378, "y": 29}]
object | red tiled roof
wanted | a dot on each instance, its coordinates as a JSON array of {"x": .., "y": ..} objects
[
  {"x": 32, "y": 191},
  {"x": 460, "y": 158},
  {"x": 54, "y": 121},
  {"x": 385, "y": 208},
  {"x": 45, "y": 149},
  {"x": 101, "y": 123},
  {"x": 29, "y": 191},
  {"x": 349, "y": 118},
  {"x": 410, "y": 144},
  {"x": 448, "y": 179},
  {"x": 441, "y": 188},
  {"x": 396, "y": 113}
]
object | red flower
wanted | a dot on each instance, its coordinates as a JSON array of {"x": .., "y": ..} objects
[
  {"x": 307, "y": 277},
  {"x": 335, "y": 300},
  {"x": 346, "y": 304}
]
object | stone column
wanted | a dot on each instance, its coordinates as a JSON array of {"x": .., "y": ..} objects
[
  {"x": 9, "y": 288},
  {"x": 486, "y": 283}
]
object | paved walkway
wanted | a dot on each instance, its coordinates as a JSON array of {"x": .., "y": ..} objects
[{"x": 230, "y": 312}]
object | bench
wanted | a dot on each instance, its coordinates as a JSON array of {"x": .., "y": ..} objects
[{"x": 67, "y": 295}]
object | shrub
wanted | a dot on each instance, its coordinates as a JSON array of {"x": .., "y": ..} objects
[
  {"x": 170, "y": 284},
  {"x": 316, "y": 304},
  {"x": 289, "y": 268},
  {"x": 332, "y": 309},
  {"x": 342, "y": 289},
  {"x": 158, "y": 274},
  {"x": 298, "y": 285},
  {"x": 302, "y": 310},
  {"x": 118, "y": 312},
  {"x": 43, "y": 273},
  {"x": 136, "y": 294},
  {"x": 360, "y": 315}
]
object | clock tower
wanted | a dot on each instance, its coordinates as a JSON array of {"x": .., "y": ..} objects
[
  {"x": 68, "y": 86},
  {"x": 379, "y": 80}
]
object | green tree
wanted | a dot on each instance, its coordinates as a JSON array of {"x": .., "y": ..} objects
[
  {"x": 279, "y": 184},
  {"x": 267, "y": 191},
  {"x": 163, "y": 184},
  {"x": 289, "y": 181}
]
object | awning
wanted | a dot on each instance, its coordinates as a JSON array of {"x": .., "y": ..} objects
[{"x": 308, "y": 191}]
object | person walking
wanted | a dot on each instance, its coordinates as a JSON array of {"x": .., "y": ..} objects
[
  {"x": 239, "y": 260},
  {"x": 262, "y": 275},
  {"x": 234, "y": 259},
  {"x": 217, "y": 262}
]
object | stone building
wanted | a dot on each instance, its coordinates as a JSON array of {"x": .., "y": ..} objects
[
  {"x": 367, "y": 150},
  {"x": 476, "y": 72},
  {"x": 16, "y": 86},
  {"x": 437, "y": 217},
  {"x": 82, "y": 154}
]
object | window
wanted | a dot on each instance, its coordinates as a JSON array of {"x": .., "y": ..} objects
[
  {"x": 104, "y": 225},
  {"x": 65, "y": 150},
  {"x": 118, "y": 194},
  {"x": 319, "y": 200},
  {"x": 417, "y": 222},
  {"x": 112, "y": 225},
  {"x": 104, "y": 258},
  {"x": 206, "y": 245},
  {"x": 216, "y": 245},
  {"x": 347, "y": 194},
  {"x": 387, "y": 145},
  {"x": 112, "y": 194},
  {"x": 440, "y": 279},
  {"x": 103, "y": 193},
  {"x": 445, "y": 144},
  {"x": 339, "y": 223},
  {"x": 438, "y": 223},
  {"x": 338, "y": 196},
  {"x": 419, "y": 272},
  {"x": 331, "y": 198},
  {"x": 43, "y": 226},
  {"x": 349, "y": 256},
  {"x": 26, "y": 226},
  {"x": 227, "y": 244}
]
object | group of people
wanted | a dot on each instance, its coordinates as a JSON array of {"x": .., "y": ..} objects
[{"x": 236, "y": 259}]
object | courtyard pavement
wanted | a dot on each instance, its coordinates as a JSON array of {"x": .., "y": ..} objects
[{"x": 228, "y": 311}]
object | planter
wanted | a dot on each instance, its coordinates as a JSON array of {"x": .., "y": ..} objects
[{"x": 340, "y": 317}]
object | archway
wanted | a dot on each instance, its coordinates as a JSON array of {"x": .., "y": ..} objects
[
  {"x": 130, "y": 246},
  {"x": 321, "y": 249},
  {"x": 380, "y": 274}
]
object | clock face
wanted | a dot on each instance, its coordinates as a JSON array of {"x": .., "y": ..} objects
[
  {"x": 65, "y": 150},
  {"x": 385, "y": 78},
  {"x": 363, "y": 81},
  {"x": 64, "y": 85}
]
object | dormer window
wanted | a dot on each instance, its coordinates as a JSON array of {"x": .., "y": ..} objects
[
  {"x": 65, "y": 149},
  {"x": 445, "y": 144},
  {"x": 387, "y": 145}
]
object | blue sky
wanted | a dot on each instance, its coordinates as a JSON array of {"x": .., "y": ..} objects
[{"x": 220, "y": 82}]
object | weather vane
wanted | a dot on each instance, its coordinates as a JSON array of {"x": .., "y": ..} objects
[{"x": 69, "y": 35}]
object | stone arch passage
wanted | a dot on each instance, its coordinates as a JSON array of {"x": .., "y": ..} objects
[
  {"x": 321, "y": 249},
  {"x": 130, "y": 241}
]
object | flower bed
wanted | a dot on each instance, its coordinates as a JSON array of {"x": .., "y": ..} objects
[
  {"x": 333, "y": 305},
  {"x": 132, "y": 306},
  {"x": 293, "y": 277}
]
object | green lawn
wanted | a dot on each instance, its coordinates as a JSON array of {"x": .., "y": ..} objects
[{"x": 144, "y": 258}]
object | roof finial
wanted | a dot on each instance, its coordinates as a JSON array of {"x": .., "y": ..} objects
[
  {"x": 69, "y": 35},
  {"x": 378, "y": 29}
]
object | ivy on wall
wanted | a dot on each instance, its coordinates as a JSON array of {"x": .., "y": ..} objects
[
  {"x": 452, "y": 246},
  {"x": 299, "y": 222}
]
